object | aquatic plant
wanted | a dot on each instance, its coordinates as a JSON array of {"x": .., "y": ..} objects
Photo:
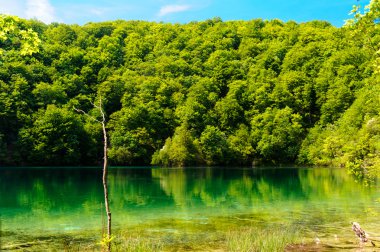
[
  {"x": 262, "y": 239},
  {"x": 137, "y": 244}
]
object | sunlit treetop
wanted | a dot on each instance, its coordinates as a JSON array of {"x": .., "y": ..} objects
[
  {"x": 366, "y": 29},
  {"x": 14, "y": 35},
  {"x": 365, "y": 19}
]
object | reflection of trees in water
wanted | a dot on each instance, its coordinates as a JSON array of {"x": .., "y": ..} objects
[
  {"x": 298, "y": 191},
  {"x": 184, "y": 186},
  {"x": 290, "y": 193},
  {"x": 54, "y": 189},
  {"x": 217, "y": 187},
  {"x": 329, "y": 183},
  {"x": 51, "y": 200}
]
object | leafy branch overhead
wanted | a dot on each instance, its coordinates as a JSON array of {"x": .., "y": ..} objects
[
  {"x": 364, "y": 25},
  {"x": 14, "y": 35}
]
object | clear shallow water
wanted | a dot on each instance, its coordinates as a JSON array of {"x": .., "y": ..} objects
[{"x": 46, "y": 203}]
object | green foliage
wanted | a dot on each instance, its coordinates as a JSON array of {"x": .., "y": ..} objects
[
  {"x": 15, "y": 34},
  {"x": 277, "y": 134},
  {"x": 49, "y": 94},
  {"x": 55, "y": 137},
  {"x": 209, "y": 92},
  {"x": 353, "y": 141},
  {"x": 240, "y": 145},
  {"x": 179, "y": 150},
  {"x": 214, "y": 146},
  {"x": 106, "y": 241}
]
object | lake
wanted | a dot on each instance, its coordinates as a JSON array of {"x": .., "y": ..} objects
[{"x": 185, "y": 208}]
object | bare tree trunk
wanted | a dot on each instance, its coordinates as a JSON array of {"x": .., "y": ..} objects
[
  {"x": 105, "y": 173},
  {"x": 105, "y": 185},
  {"x": 105, "y": 168}
]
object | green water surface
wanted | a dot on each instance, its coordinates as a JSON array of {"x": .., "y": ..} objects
[{"x": 56, "y": 206}]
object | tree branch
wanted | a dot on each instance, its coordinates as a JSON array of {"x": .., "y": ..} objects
[{"x": 86, "y": 114}]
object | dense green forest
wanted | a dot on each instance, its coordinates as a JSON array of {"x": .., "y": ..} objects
[{"x": 202, "y": 93}]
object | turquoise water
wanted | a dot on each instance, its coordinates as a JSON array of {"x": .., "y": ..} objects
[{"x": 66, "y": 204}]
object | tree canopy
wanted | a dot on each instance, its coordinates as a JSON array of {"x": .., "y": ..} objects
[{"x": 210, "y": 92}]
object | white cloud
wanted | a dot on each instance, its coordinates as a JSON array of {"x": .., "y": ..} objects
[
  {"x": 97, "y": 11},
  {"x": 11, "y": 7},
  {"x": 40, "y": 9},
  {"x": 81, "y": 13},
  {"x": 168, "y": 9}
]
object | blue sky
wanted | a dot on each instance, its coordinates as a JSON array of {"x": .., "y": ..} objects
[{"x": 83, "y": 11}]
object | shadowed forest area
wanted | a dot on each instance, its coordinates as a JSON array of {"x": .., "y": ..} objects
[{"x": 202, "y": 93}]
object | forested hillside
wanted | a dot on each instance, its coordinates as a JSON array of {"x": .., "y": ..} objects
[{"x": 211, "y": 92}]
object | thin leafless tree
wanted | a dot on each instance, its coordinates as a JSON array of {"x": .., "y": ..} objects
[{"x": 105, "y": 165}]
